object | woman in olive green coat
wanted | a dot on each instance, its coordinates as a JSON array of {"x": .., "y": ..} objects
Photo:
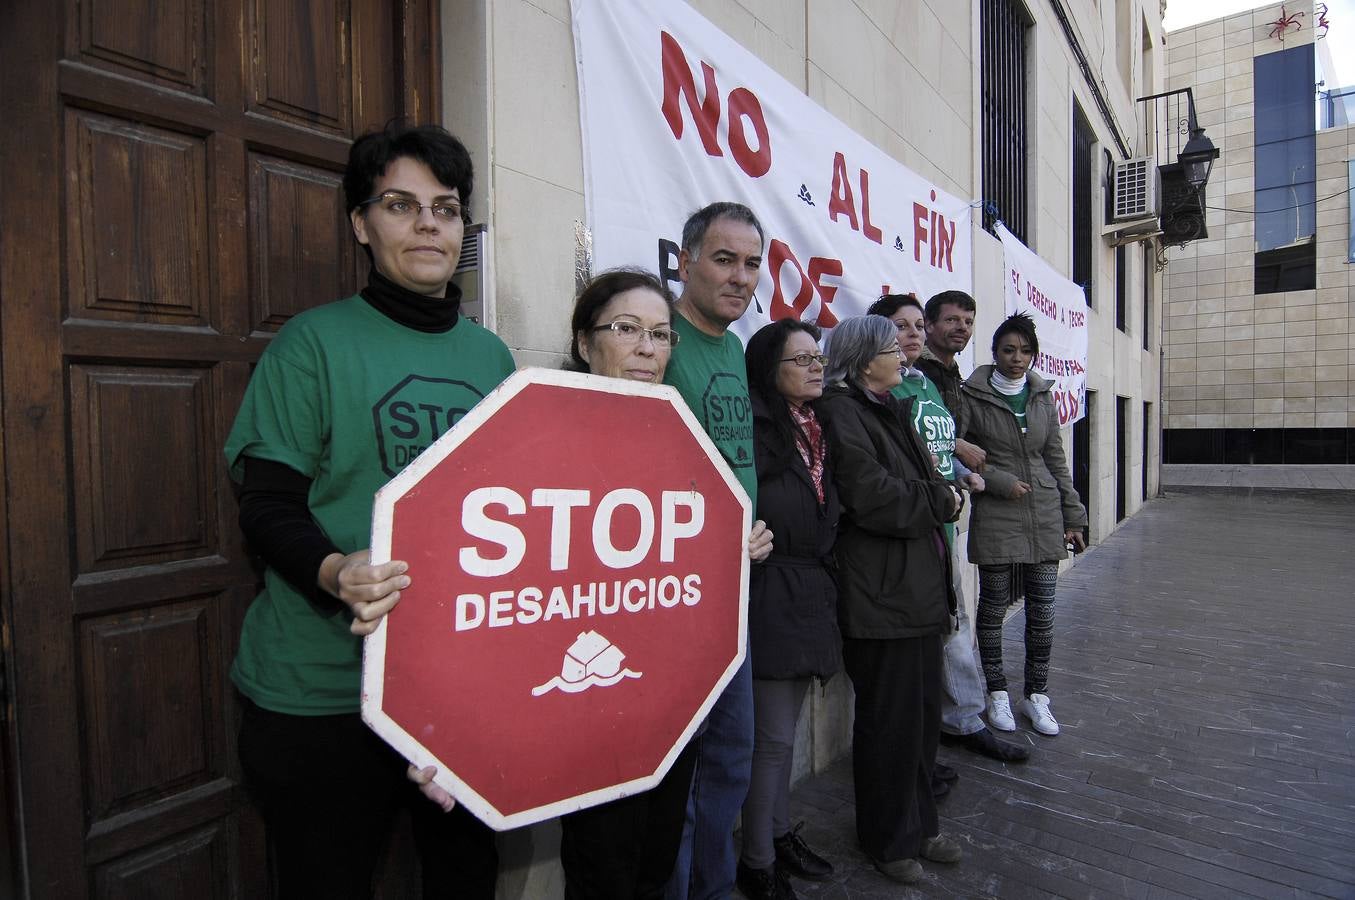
[{"x": 1025, "y": 518}]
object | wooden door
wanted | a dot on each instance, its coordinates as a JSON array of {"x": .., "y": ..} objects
[{"x": 170, "y": 197}]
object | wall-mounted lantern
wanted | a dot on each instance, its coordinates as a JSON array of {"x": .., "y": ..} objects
[
  {"x": 1197, "y": 158},
  {"x": 1183, "y": 169}
]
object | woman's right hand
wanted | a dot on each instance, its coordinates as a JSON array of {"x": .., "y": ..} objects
[
  {"x": 424, "y": 779},
  {"x": 1020, "y": 490},
  {"x": 369, "y": 592}
]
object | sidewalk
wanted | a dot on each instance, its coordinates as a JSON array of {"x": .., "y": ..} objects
[
  {"x": 1309, "y": 478},
  {"x": 1204, "y": 676}
]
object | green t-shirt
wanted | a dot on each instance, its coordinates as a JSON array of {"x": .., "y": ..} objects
[
  {"x": 932, "y": 421},
  {"x": 1017, "y": 404},
  {"x": 347, "y": 397},
  {"x": 710, "y": 375},
  {"x": 934, "y": 424}
]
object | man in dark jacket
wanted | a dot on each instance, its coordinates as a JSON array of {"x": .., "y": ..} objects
[{"x": 950, "y": 323}]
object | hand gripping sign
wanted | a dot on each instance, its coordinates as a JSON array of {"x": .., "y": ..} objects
[{"x": 577, "y": 548}]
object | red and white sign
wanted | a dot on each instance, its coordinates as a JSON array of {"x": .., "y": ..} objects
[
  {"x": 676, "y": 114},
  {"x": 577, "y": 552},
  {"x": 1059, "y": 309}
]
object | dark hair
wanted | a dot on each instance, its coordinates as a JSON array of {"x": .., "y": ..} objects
[
  {"x": 694, "y": 231},
  {"x": 372, "y": 154},
  {"x": 598, "y": 293},
  {"x": 1020, "y": 324},
  {"x": 762, "y": 360},
  {"x": 932, "y": 312},
  {"x": 888, "y": 304}
]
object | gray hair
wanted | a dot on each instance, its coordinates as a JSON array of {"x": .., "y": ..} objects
[
  {"x": 855, "y": 343},
  {"x": 694, "y": 231}
]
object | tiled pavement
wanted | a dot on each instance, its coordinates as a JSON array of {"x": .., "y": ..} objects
[
  {"x": 1310, "y": 478},
  {"x": 1204, "y": 675}
]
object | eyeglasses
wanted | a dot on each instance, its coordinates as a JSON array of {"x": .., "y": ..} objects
[
  {"x": 895, "y": 351},
  {"x": 630, "y": 333},
  {"x": 805, "y": 360},
  {"x": 402, "y": 206}
]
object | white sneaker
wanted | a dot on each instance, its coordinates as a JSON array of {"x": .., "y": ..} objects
[
  {"x": 1036, "y": 708},
  {"x": 1000, "y": 711}
]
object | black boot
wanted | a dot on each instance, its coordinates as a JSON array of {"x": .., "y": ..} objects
[
  {"x": 763, "y": 884},
  {"x": 794, "y": 856}
]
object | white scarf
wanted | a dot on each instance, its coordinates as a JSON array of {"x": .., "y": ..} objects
[{"x": 1008, "y": 386}]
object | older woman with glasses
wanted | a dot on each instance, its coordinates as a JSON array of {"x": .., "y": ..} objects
[
  {"x": 792, "y": 601},
  {"x": 895, "y": 603},
  {"x": 623, "y": 328}
]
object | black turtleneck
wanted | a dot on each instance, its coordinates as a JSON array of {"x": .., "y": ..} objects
[
  {"x": 432, "y": 315},
  {"x": 274, "y": 510}
]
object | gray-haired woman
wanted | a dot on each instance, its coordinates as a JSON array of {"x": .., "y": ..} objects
[{"x": 895, "y": 602}]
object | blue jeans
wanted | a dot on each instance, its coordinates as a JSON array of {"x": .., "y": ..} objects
[
  {"x": 963, "y": 690},
  {"x": 724, "y": 764}
]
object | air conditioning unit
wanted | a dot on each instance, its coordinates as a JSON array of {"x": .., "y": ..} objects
[
  {"x": 474, "y": 275},
  {"x": 1136, "y": 190}
]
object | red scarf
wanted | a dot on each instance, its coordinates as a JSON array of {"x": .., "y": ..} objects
[{"x": 811, "y": 450}]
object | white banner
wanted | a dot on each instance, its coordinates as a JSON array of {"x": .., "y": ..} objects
[
  {"x": 1059, "y": 308},
  {"x": 677, "y": 115}
]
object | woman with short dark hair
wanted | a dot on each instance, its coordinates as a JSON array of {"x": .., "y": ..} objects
[
  {"x": 1024, "y": 520},
  {"x": 309, "y": 458},
  {"x": 792, "y": 600},
  {"x": 895, "y": 602}
]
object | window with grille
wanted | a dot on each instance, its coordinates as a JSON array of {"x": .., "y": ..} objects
[
  {"x": 1084, "y": 141},
  {"x": 1003, "y": 26}
]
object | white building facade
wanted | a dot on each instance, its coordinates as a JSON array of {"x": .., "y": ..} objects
[{"x": 1024, "y": 106}]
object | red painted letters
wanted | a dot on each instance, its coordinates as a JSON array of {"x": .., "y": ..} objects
[{"x": 744, "y": 110}]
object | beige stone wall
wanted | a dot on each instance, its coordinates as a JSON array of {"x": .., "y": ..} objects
[{"x": 1236, "y": 359}]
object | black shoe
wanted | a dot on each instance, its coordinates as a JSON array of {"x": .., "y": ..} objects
[
  {"x": 763, "y": 884},
  {"x": 943, "y": 772},
  {"x": 985, "y": 743},
  {"x": 794, "y": 856},
  {"x": 940, "y": 790}
]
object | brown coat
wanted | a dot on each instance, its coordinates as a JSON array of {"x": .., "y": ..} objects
[{"x": 1028, "y": 530}]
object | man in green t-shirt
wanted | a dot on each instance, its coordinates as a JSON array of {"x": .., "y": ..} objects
[
  {"x": 719, "y": 263},
  {"x": 949, "y": 323}
]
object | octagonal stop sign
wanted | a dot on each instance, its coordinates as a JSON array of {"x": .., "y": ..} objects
[{"x": 578, "y": 597}]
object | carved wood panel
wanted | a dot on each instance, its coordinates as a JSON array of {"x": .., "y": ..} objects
[
  {"x": 136, "y": 222},
  {"x": 302, "y": 251},
  {"x": 165, "y": 41},
  {"x": 301, "y": 61},
  {"x": 149, "y": 684},
  {"x": 191, "y": 865},
  {"x": 146, "y": 450}
]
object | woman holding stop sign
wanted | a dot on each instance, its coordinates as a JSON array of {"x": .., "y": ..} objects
[
  {"x": 319, "y": 429},
  {"x": 622, "y": 328}
]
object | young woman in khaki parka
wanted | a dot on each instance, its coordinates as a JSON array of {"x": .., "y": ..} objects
[{"x": 1025, "y": 518}]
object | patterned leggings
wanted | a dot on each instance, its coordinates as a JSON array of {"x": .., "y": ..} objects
[{"x": 995, "y": 587}]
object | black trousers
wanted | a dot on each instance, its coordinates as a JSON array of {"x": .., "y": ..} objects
[
  {"x": 329, "y": 789},
  {"x": 626, "y": 849},
  {"x": 898, "y": 726}
]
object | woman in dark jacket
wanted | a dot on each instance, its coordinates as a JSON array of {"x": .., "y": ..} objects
[
  {"x": 1025, "y": 517},
  {"x": 792, "y": 601},
  {"x": 895, "y": 603}
]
